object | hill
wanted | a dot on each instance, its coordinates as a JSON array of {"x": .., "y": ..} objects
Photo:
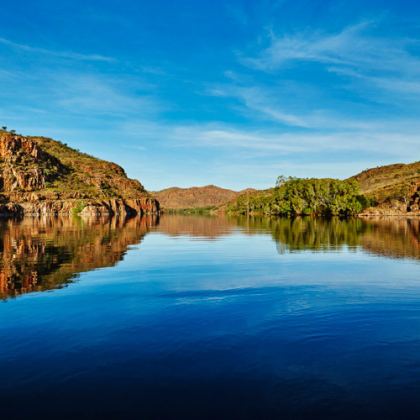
[
  {"x": 394, "y": 189},
  {"x": 207, "y": 197},
  {"x": 39, "y": 175},
  {"x": 385, "y": 190}
]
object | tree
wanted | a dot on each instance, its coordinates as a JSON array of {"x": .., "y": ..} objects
[
  {"x": 296, "y": 196},
  {"x": 281, "y": 180}
]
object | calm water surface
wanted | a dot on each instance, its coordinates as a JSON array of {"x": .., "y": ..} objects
[{"x": 200, "y": 317}]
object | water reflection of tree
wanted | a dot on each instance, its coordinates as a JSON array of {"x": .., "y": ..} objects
[
  {"x": 42, "y": 254},
  {"x": 317, "y": 234},
  {"x": 393, "y": 237}
]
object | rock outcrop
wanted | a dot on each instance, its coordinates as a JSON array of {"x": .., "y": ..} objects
[
  {"x": 393, "y": 189},
  {"x": 408, "y": 205},
  {"x": 25, "y": 167},
  {"x": 40, "y": 176}
]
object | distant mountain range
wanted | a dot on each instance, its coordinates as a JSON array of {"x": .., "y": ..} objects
[
  {"x": 207, "y": 197},
  {"x": 393, "y": 189}
]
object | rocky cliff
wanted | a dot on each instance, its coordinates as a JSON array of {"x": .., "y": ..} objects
[
  {"x": 43, "y": 176},
  {"x": 393, "y": 189}
]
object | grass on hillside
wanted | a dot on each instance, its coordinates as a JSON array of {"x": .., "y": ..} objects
[
  {"x": 79, "y": 175},
  {"x": 395, "y": 181}
]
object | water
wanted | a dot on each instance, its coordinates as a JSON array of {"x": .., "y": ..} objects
[{"x": 201, "y": 317}]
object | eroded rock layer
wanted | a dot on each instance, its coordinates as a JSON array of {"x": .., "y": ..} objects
[{"x": 40, "y": 176}]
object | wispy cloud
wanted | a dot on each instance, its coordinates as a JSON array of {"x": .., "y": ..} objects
[
  {"x": 69, "y": 55},
  {"x": 258, "y": 100},
  {"x": 94, "y": 94},
  {"x": 357, "y": 71},
  {"x": 386, "y": 63},
  {"x": 78, "y": 93},
  {"x": 354, "y": 46},
  {"x": 406, "y": 86},
  {"x": 256, "y": 156},
  {"x": 400, "y": 141},
  {"x": 316, "y": 102},
  {"x": 293, "y": 110}
]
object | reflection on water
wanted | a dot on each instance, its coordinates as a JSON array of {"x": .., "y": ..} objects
[
  {"x": 197, "y": 317},
  {"x": 312, "y": 234},
  {"x": 47, "y": 253},
  {"x": 199, "y": 226},
  {"x": 392, "y": 237}
]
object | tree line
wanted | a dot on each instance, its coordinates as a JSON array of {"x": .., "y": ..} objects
[{"x": 303, "y": 196}]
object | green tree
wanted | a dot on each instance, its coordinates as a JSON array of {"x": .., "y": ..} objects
[{"x": 296, "y": 196}]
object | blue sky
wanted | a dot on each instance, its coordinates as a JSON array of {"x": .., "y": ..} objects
[{"x": 232, "y": 93}]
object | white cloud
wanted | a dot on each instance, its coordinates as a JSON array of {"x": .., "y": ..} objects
[
  {"x": 257, "y": 99},
  {"x": 234, "y": 156},
  {"x": 400, "y": 140},
  {"x": 353, "y": 46},
  {"x": 97, "y": 94},
  {"x": 291, "y": 127},
  {"x": 380, "y": 73},
  {"x": 58, "y": 54},
  {"x": 408, "y": 88}
]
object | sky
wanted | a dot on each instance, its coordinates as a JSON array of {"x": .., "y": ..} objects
[{"x": 232, "y": 93}]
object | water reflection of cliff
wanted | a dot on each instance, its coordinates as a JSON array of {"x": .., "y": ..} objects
[
  {"x": 209, "y": 227},
  {"x": 393, "y": 237},
  {"x": 42, "y": 254}
]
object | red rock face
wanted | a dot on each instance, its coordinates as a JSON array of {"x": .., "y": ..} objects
[
  {"x": 35, "y": 182},
  {"x": 12, "y": 146},
  {"x": 392, "y": 207},
  {"x": 25, "y": 167},
  {"x": 120, "y": 207},
  {"x": 414, "y": 204}
]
